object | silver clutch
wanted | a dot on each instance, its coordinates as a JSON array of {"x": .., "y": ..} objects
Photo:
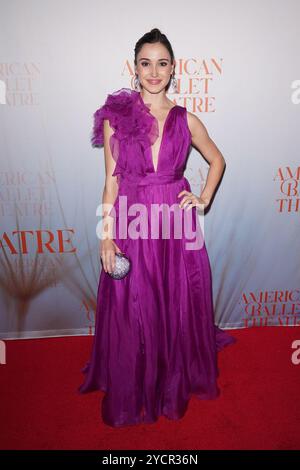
[{"x": 122, "y": 266}]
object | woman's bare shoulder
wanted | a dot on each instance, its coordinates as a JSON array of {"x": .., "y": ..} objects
[{"x": 194, "y": 123}]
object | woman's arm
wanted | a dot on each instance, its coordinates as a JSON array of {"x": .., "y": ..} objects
[
  {"x": 110, "y": 190},
  {"x": 207, "y": 147}
]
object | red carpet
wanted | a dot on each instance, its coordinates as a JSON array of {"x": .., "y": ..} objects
[{"x": 258, "y": 407}]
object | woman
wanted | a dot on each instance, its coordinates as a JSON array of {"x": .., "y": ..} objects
[{"x": 155, "y": 340}]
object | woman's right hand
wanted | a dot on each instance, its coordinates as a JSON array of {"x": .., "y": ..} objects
[{"x": 108, "y": 253}]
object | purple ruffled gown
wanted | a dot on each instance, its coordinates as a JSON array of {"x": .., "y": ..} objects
[{"x": 155, "y": 341}]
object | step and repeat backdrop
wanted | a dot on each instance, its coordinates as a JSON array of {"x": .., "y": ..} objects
[{"x": 237, "y": 69}]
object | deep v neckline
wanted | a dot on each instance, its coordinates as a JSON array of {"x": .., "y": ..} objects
[{"x": 162, "y": 134}]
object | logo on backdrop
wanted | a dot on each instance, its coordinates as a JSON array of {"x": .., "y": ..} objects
[
  {"x": 18, "y": 83},
  {"x": 271, "y": 308},
  {"x": 89, "y": 306},
  {"x": 38, "y": 241},
  {"x": 287, "y": 179},
  {"x": 195, "y": 82}
]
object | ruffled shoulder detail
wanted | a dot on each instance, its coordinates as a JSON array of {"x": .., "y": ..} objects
[
  {"x": 113, "y": 109},
  {"x": 130, "y": 118}
]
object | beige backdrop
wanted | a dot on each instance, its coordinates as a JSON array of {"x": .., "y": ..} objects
[{"x": 238, "y": 69}]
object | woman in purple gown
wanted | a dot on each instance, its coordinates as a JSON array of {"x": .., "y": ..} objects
[{"x": 155, "y": 340}]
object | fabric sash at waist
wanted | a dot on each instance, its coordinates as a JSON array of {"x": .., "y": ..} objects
[{"x": 153, "y": 178}]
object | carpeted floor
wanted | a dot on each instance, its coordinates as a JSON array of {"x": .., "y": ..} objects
[{"x": 258, "y": 408}]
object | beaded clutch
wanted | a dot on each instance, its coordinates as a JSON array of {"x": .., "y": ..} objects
[{"x": 122, "y": 266}]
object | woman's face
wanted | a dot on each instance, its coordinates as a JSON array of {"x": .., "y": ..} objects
[{"x": 154, "y": 67}]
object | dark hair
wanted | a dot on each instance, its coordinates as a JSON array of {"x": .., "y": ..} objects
[{"x": 153, "y": 36}]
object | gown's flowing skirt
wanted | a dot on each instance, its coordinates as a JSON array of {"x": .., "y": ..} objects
[{"x": 155, "y": 340}]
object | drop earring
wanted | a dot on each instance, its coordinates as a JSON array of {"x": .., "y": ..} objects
[
  {"x": 174, "y": 84},
  {"x": 136, "y": 82}
]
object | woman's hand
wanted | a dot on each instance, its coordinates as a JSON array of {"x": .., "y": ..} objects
[
  {"x": 108, "y": 253},
  {"x": 191, "y": 200}
]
